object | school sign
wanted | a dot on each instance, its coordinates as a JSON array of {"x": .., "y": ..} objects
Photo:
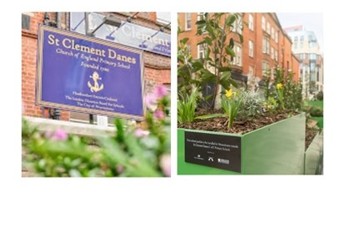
[{"x": 86, "y": 74}]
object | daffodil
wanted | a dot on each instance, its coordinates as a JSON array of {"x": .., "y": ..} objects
[
  {"x": 279, "y": 86},
  {"x": 229, "y": 93}
]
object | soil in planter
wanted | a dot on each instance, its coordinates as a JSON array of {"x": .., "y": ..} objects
[
  {"x": 219, "y": 124},
  {"x": 309, "y": 136}
]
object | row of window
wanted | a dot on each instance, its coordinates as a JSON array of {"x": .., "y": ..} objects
[
  {"x": 310, "y": 56},
  {"x": 237, "y": 60},
  {"x": 237, "y": 25},
  {"x": 266, "y": 26}
]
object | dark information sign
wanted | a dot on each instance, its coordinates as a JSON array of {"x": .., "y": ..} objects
[
  {"x": 85, "y": 74},
  {"x": 218, "y": 151}
]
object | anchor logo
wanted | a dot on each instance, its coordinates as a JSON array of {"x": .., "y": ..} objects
[{"x": 96, "y": 86}]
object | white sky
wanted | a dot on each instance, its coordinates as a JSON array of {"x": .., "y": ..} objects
[{"x": 310, "y": 21}]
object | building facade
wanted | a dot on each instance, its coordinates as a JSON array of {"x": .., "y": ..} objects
[
  {"x": 265, "y": 45},
  {"x": 132, "y": 26},
  {"x": 307, "y": 49}
]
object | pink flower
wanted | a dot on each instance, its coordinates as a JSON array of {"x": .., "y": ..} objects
[
  {"x": 159, "y": 114},
  {"x": 160, "y": 91},
  {"x": 59, "y": 135},
  {"x": 141, "y": 133},
  {"x": 151, "y": 102},
  {"x": 165, "y": 164}
]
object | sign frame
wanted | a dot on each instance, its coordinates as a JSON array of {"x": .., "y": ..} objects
[{"x": 39, "y": 74}]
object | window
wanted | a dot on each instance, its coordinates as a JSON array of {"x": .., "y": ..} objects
[
  {"x": 263, "y": 23},
  {"x": 201, "y": 51},
  {"x": 237, "y": 60},
  {"x": 200, "y": 16},
  {"x": 188, "y": 21},
  {"x": 276, "y": 36},
  {"x": 266, "y": 45},
  {"x": 312, "y": 56},
  {"x": 268, "y": 27},
  {"x": 272, "y": 53},
  {"x": 301, "y": 41},
  {"x": 25, "y": 21},
  {"x": 251, "y": 48},
  {"x": 251, "y": 22},
  {"x": 265, "y": 67},
  {"x": 295, "y": 43},
  {"x": 251, "y": 71},
  {"x": 237, "y": 25},
  {"x": 276, "y": 55},
  {"x": 273, "y": 33}
]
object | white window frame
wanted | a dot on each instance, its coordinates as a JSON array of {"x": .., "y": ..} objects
[
  {"x": 263, "y": 23},
  {"x": 266, "y": 45},
  {"x": 273, "y": 33},
  {"x": 200, "y": 16},
  {"x": 237, "y": 25},
  {"x": 276, "y": 55},
  {"x": 268, "y": 28},
  {"x": 251, "y": 48},
  {"x": 251, "y": 22},
  {"x": 188, "y": 17},
  {"x": 276, "y": 36},
  {"x": 272, "y": 53},
  {"x": 200, "y": 51},
  {"x": 237, "y": 59}
]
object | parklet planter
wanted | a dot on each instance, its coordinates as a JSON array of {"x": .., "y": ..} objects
[
  {"x": 314, "y": 156},
  {"x": 278, "y": 148}
]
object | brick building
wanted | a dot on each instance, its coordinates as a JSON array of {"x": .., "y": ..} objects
[
  {"x": 156, "y": 65},
  {"x": 264, "y": 46}
]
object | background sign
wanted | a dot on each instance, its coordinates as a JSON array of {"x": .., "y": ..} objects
[
  {"x": 144, "y": 38},
  {"x": 218, "y": 151},
  {"x": 86, "y": 74}
]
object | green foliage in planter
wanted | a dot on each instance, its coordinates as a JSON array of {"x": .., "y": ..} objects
[
  {"x": 319, "y": 96},
  {"x": 251, "y": 105},
  {"x": 215, "y": 66},
  {"x": 186, "y": 106},
  {"x": 231, "y": 103},
  {"x": 281, "y": 87}
]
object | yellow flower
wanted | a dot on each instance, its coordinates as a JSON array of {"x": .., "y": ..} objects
[
  {"x": 229, "y": 93},
  {"x": 279, "y": 86}
]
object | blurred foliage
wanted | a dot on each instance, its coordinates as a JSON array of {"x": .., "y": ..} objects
[{"x": 136, "y": 150}]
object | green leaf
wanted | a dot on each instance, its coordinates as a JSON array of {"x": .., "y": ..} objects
[
  {"x": 207, "y": 76},
  {"x": 226, "y": 75},
  {"x": 200, "y": 22},
  {"x": 223, "y": 69},
  {"x": 197, "y": 65},
  {"x": 209, "y": 116},
  {"x": 229, "y": 51},
  {"x": 184, "y": 40},
  {"x": 230, "y": 20},
  {"x": 232, "y": 43}
]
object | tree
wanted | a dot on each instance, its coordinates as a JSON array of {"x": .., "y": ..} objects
[{"x": 215, "y": 67}]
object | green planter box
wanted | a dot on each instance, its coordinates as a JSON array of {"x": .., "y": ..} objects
[
  {"x": 278, "y": 148},
  {"x": 314, "y": 156}
]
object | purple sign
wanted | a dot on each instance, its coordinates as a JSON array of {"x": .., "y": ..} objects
[{"x": 85, "y": 74}]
